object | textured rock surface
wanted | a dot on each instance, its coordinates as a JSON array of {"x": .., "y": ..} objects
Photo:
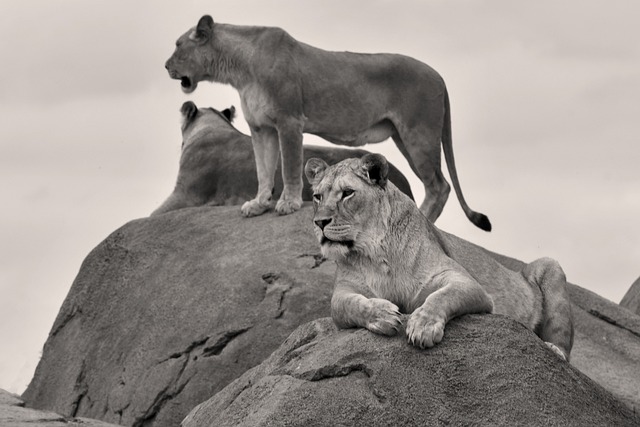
[
  {"x": 168, "y": 310},
  {"x": 488, "y": 370},
  {"x": 631, "y": 300},
  {"x": 14, "y": 414}
]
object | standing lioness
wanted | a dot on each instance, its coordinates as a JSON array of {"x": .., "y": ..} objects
[
  {"x": 288, "y": 88},
  {"x": 392, "y": 260}
]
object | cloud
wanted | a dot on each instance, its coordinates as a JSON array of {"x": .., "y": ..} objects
[{"x": 63, "y": 50}]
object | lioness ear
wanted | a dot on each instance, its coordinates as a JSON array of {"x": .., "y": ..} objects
[
  {"x": 204, "y": 29},
  {"x": 189, "y": 110},
  {"x": 314, "y": 170},
  {"x": 229, "y": 113},
  {"x": 376, "y": 167}
]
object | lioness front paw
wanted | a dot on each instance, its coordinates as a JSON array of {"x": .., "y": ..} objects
[
  {"x": 384, "y": 317},
  {"x": 424, "y": 330},
  {"x": 288, "y": 206},
  {"x": 253, "y": 208}
]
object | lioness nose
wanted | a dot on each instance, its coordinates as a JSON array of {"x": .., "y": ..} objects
[{"x": 322, "y": 223}]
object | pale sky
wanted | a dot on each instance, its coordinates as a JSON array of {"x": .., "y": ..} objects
[{"x": 545, "y": 106}]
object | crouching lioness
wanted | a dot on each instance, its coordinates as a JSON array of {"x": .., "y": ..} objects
[{"x": 392, "y": 260}]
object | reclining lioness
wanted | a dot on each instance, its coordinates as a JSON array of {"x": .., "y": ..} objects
[
  {"x": 217, "y": 165},
  {"x": 289, "y": 88},
  {"x": 392, "y": 260}
]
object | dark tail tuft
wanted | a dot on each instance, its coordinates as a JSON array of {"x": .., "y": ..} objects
[{"x": 481, "y": 221}]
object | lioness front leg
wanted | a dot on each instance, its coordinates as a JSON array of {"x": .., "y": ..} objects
[
  {"x": 265, "y": 150},
  {"x": 350, "y": 309},
  {"x": 461, "y": 295},
  {"x": 290, "y": 136}
]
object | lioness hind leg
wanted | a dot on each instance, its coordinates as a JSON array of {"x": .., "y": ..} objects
[
  {"x": 423, "y": 155},
  {"x": 556, "y": 327}
]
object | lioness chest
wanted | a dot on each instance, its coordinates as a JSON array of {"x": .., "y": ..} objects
[
  {"x": 257, "y": 106},
  {"x": 405, "y": 289}
]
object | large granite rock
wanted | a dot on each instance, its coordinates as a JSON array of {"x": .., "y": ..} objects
[
  {"x": 631, "y": 300},
  {"x": 488, "y": 370},
  {"x": 168, "y": 310},
  {"x": 14, "y": 414}
]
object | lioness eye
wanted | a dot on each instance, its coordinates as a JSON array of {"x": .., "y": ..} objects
[
  {"x": 317, "y": 198},
  {"x": 347, "y": 193}
]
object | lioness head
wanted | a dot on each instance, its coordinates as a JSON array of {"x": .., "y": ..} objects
[
  {"x": 195, "y": 119},
  {"x": 351, "y": 204},
  {"x": 191, "y": 61}
]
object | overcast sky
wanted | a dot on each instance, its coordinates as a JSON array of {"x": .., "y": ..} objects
[{"x": 545, "y": 105}]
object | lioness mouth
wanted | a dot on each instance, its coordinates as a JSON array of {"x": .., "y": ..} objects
[
  {"x": 185, "y": 82},
  {"x": 326, "y": 241}
]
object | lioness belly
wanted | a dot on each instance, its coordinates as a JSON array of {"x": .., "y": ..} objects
[{"x": 378, "y": 132}]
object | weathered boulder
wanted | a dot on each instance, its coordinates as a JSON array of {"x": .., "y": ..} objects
[
  {"x": 14, "y": 414},
  {"x": 170, "y": 309},
  {"x": 488, "y": 370},
  {"x": 631, "y": 300}
]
